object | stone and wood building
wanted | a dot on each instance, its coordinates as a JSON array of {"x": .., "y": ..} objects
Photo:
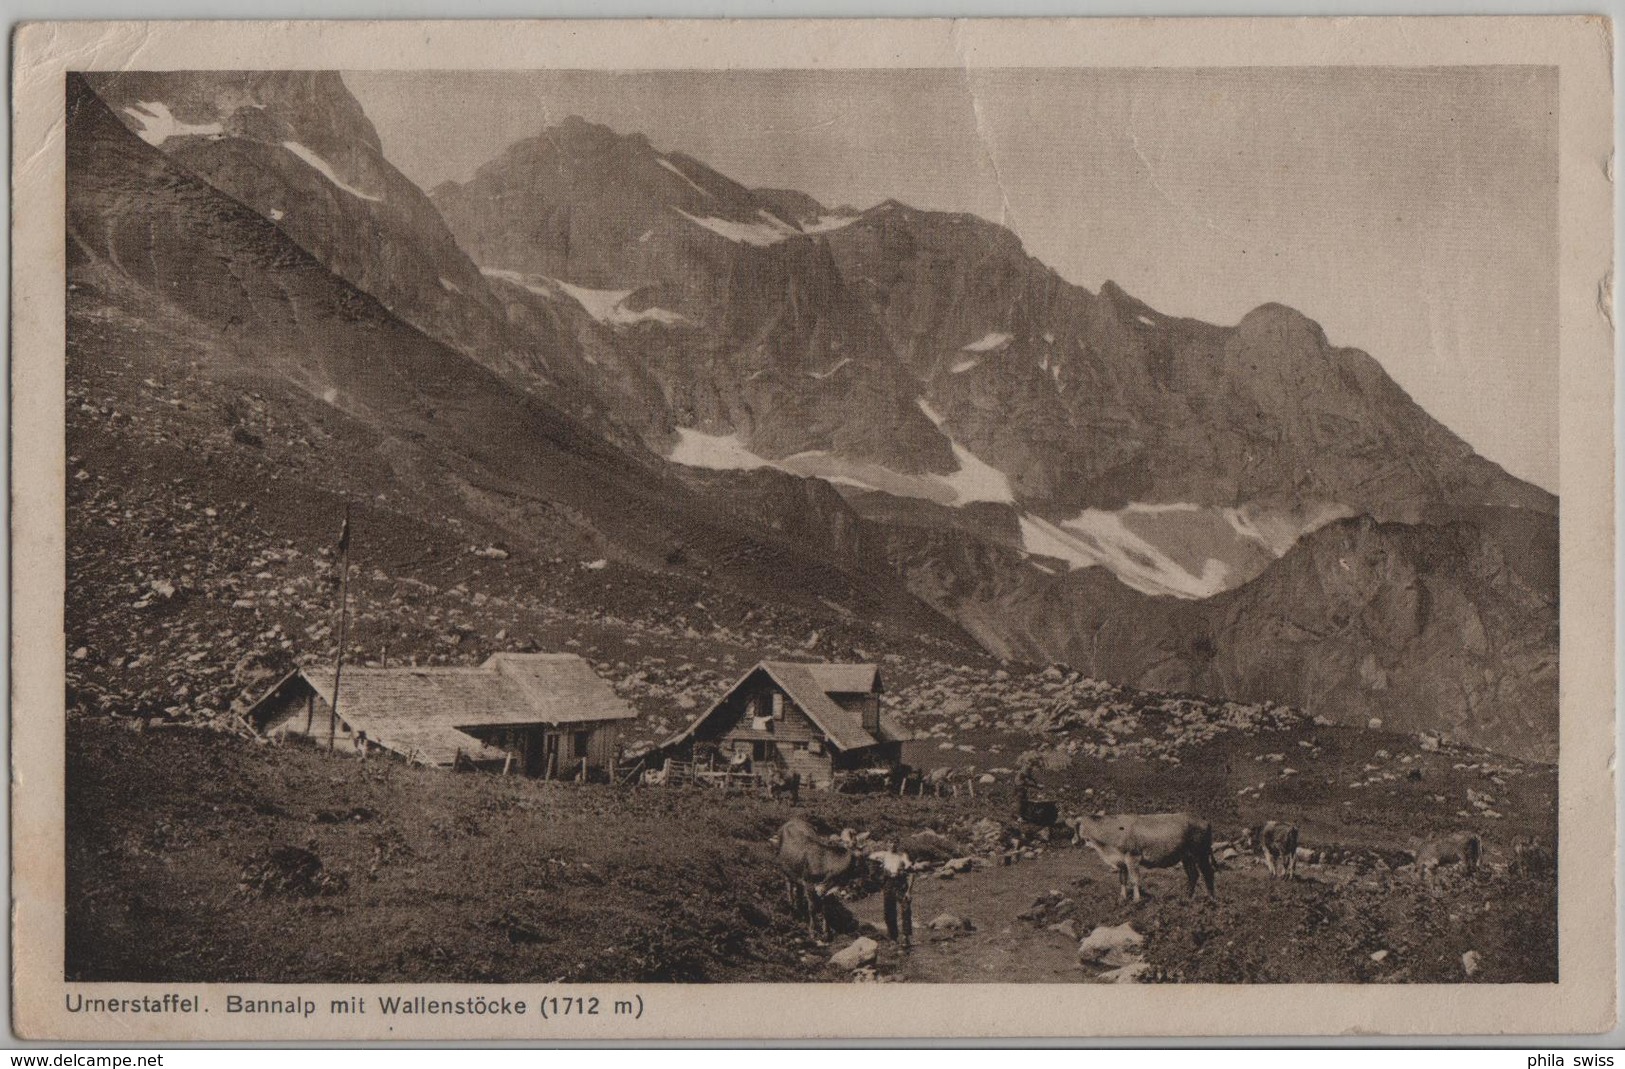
[
  {"x": 817, "y": 720},
  {"x": 536, "y": 714}
]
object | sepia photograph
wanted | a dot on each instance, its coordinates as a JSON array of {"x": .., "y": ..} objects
[{"x": 818, "y": 524}]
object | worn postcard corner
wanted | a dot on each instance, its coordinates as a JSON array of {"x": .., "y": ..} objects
[{"x": 812, "y": 530}]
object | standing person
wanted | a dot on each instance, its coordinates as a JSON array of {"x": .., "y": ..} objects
[{"x": 897, "y": 887}]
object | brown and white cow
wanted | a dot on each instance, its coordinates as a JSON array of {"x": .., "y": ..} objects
[
  {"x": 1155, "y": 841},
  {"x": 1464, "y": 849},
  {"x": 1279, "y": 842},
  {"x": 813, "y": 868},
  {"x": 1531, "y": 859}
]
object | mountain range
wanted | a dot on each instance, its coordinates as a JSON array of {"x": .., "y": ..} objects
[{"x": 889, "y": 415}]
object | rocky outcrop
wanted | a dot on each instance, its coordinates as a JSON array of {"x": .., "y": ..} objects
[
  {"x": 1447, "y": 626},
  {"x": 295, "y": 148}
]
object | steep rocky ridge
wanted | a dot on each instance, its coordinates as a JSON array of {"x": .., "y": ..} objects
[
  {"x": 205, "y": 345},
  {"x": 876, "y": 415}
]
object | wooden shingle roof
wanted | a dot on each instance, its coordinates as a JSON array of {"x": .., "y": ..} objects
[
  {"x": 418, "y": 712},
  {"x": 412, "y": 711},
  {"x": 556, "y": 688},
  {"x": 839, "y": 678},
  {"x": 810, "y": 685}
]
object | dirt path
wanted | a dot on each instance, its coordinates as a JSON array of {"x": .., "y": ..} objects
[
  {"x": 1000, "y": 948},
  {"x": 1004, "y": 949}
]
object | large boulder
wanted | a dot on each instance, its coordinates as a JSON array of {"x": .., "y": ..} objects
[
  {"x": 860, "y": 954},
  {"x": 1132, "y": 973},
  {"x": 928, "y": 845},
  {"x": 1117, "y": 946},
  {"x": 950, "y": 922}
]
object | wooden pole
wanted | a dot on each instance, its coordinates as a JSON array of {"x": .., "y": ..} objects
[{"x": 344, "y": 606}]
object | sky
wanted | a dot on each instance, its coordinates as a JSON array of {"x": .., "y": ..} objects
[{"x": 1411, "y": 211}]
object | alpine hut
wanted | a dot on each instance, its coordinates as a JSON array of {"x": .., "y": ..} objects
[
  {"x": 812, "y": 719},
  {"x": 541, "y": 714}
]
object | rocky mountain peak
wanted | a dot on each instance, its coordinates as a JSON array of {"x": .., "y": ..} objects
[{"x": 1287, "y": 327}]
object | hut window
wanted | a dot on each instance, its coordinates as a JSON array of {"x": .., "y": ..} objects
[
  {"x": 582, "y": 738},
  {"x": 778, "y": 706}
]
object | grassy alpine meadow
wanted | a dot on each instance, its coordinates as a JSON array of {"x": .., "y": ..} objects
[{"x": 198, "y": 855}]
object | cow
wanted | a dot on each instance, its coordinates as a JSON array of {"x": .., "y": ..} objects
[
  {"x": 1042, "y": 813},
  {"x": 782, "y": 784},
  {"x": 1531, "y": 860},
  {"x": 1463, "y": 849},
  {"x": 895, "y": 870},
  {"x": 814, "y": 867},
  {"x": 1155, "y": 841},
  {"x": 1279, "y": 842},
  {"x": 946, "y": 778}
]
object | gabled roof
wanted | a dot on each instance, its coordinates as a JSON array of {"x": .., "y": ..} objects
[
  {"x": 557, "y": 688},
  {"x": 419, "y": 711},
  {"x": 411, "y": 711},
  {"x": 837, "y": 678},
  {"x": 810, "y": 687}
]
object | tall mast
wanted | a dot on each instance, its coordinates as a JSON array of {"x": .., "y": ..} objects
[{"x": 344, "y": 606}]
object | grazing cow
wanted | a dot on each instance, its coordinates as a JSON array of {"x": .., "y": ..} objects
[
  {"x": 896, "y": 873},
  {"x": 1464, "y": 850},
  {"x": 1043, "y": 813},
  {"x": 1155, "y": 840},
  {"x": 813, "y": 868},
  {"x": 1280, "y": 845},
  {"x": 782, "y": 784},
  {"x": 945, "y": 778},
  {"x": 1531, "y": 860}
]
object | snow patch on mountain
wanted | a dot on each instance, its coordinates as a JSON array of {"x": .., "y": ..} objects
[
  {"x": 774, "y": 221},
  {"x": 605, "y": 306},
  {"x": 1278, "y": 531},
  {"x": 825, "y": 223},
  {"x": 159, "y": 125},
  {"x": 608, "y": 306},
  {"x": 1178, "y": 548},
  {"x": 845, "y": 360},
  {"x": 975, "y": 480},
  {"x": 325, "y": 169},
  {"x": 1097, "y": 538},
  {"x": 600, "y": 304},
  {"x": 990, "y": 342},
  {"x": 758, "y": 234},
  {"x": 953, "y": 490},
  {"x": 534, "y": 284},
  {"x": 719, "y": 452},
  {"x": 673, "y": 168},
  {"x": 1147, "y": 320},
  {"x": 450, "y": 286},
  {"x": 964, "y": 365}
]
